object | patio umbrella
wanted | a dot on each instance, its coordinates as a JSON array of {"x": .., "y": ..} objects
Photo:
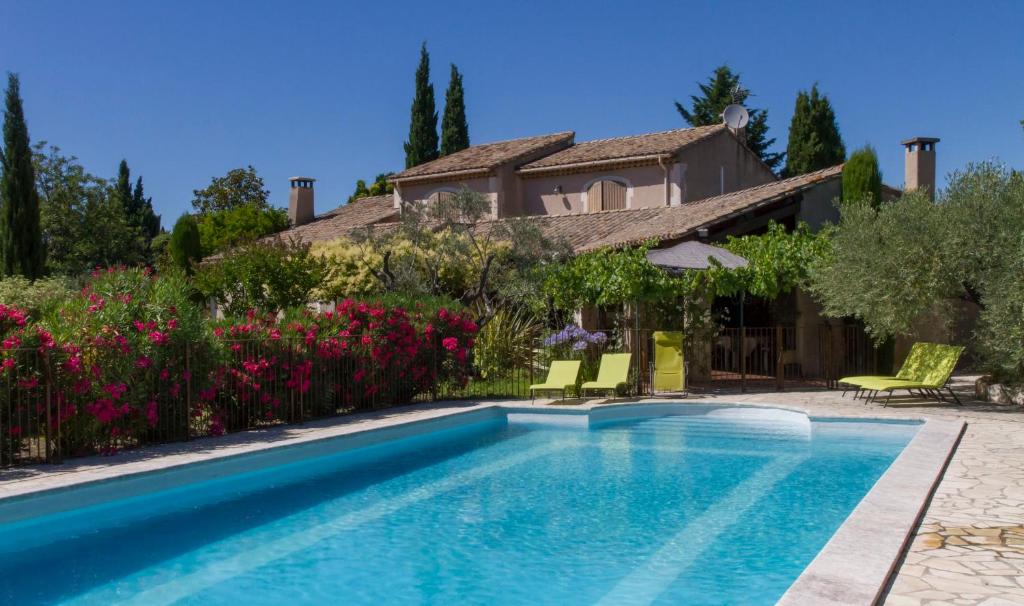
[{"x": 693, "y": 254}]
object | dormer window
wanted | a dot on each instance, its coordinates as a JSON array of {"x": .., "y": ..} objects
[{"x": 606, "y": 194}]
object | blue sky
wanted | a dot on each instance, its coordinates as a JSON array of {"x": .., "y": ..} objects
[{"x": 188, "y": 90}]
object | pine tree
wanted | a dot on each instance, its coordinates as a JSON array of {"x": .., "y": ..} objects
[
  {"x": 861, "y": 177},
  {"x": 814, "y": 139},
  {"x": 422, "y": 144},
  {"x": 722, "y": 89},
  {"x": 185, "y": 245},
  {"x": 454, "y": 129},
  {"x": 21, "y": 239}
]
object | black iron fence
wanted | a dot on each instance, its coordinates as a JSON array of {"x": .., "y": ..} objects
[
  {"x": 48, "y": 411},
  {"x": 51, "y": 410}
]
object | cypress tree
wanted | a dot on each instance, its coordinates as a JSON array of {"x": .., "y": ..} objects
[
  {"x": 454, "y": 129},
  {"x": 861, "y": 177},
  {"x": 721, "y": 89},
  {"x": 185, "y": 245},
  {"x": 21, "y": 238},
  {"x": 148, "y": 221},
  {"x": 123, "y": 190},
  {"x": 422, "y": 144},
  {"x": 814, "y": 139}
]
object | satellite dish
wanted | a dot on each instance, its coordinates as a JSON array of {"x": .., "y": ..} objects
[{"x": 735, "y": 116}]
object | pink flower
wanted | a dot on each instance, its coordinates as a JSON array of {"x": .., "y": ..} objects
[
  {"x": 29, "y": 383},
  {"x": 450, "y": 343},
  {"x": 158, "y": 338},
  {"x": 218, "y": 332},
  {"x": 151, "y": 416},
  {"x": 143, "y": 362}
]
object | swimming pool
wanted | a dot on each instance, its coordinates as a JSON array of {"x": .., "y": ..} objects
[{"x": 627, "y": 505}]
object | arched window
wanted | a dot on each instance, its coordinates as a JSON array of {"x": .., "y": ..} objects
[
  {"x": 606, "y": 194},
  {"x": 441, "y": 196}
]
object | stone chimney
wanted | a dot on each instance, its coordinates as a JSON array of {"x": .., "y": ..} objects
[
  {"x": 300, "y": 200},
  {"x": 919, "y": 164}
]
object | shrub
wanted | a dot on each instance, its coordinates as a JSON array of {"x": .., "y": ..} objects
[
  {"x": 35, "y": 297},
  {"x": 113, "y": 355},
  {"x": 265, "y": 276}
]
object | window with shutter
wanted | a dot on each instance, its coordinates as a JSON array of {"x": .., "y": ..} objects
[{"x": 606, "y": 195}]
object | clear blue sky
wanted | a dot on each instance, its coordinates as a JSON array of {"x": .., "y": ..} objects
[{"x": 188, "y": 90}]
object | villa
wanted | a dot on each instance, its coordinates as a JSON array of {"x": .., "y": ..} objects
[{"x": 672, "y": 186}]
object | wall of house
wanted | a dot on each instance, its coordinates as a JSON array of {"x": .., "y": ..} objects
[
  {"x": 421, "y": 192},
  {"x": 818, "y": 206},
  {"x": 645, "y": 189},
  {"x": 718, "y": 165}
]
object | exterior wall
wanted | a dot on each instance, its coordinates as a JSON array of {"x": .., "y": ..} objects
[
  {"x": 818, "y": 205},
  {"x": 420, "y": 192},
  {"x": 645, "y": 188},
  {"x": 719, "y": 165}
]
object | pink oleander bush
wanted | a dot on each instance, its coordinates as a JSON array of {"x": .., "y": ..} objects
[
  {"x": 362, "y": 355},
  {"x": 131, "y": 359}
]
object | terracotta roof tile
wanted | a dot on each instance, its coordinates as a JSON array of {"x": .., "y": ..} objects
[
  {"x": 623, "y": 148},
  {"x": 590, "y": 231},
  {"x": 614, "y": 228},
  {"x": 341, "y": 220},
  {"x": 486, "y": 156}
]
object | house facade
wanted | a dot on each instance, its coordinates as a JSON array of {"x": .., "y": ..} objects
[{"x": 552, "y": 174}]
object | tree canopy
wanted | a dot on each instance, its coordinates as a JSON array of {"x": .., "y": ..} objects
[
  {"x": 454, "y": 128},
  {"x": 239, "y": 187},
  {"x": 439, "y": 250},
  {"x": 721, "y": 89},
  {"x": 422, "y": 144},
  {"x": 84, "y": 222},
  {"x": 21, "y": 238},
  {"x": 907, "y": 263},
  {"x": 862, "y": 179},
  {"x": 224, "y": 229},
  {"x": 814, "y": 139},
  {"x": 185, "y": 245},
  {"x": 380, "y": 186}
]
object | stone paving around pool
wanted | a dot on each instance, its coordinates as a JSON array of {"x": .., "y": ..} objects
[{"x": 969, "y": 548}]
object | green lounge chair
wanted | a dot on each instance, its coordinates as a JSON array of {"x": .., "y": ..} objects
[
  {"x": 940, "y": 361},
  {"x": 669, "y": 373},
  {"x": 561, "y": 376},
  {"x": 914, "y": 368},
  {"x": 614, "y": 371}
]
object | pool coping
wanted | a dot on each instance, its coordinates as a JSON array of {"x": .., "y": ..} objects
[{"x": 853, "y": 567}]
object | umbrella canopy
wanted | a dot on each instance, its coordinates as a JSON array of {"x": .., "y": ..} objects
[{"x": 693, "y": 255}]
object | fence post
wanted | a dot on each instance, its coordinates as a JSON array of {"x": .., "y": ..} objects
[
  {"x": 780, "y": 367},
  {"x": 743, "y": 359},
  {"x": 188, "y": 392},
  {"x": 49, "y": 403}
]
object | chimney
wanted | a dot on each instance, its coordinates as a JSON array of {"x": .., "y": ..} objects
[
  {"x": 300, "y": 200},
  {"x": 919, "y": 163}
]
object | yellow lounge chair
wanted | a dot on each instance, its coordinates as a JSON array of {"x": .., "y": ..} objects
[
  {"x": 914, "y": 367},
  {"x": 614, "y": 371},
  {"x": 941, "y": 361},
  {"x": 669, "y": 373},
  {"x": 562, "y": 375}
]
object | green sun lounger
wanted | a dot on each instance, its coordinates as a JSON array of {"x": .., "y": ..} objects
[
  {"x": 914, "y": 367},
  {"x": 562, "y": 375},
  {"x": 940, "y": 362},
  {"x": 669, "y": 373},
  {"x": 614, "y": 371}
]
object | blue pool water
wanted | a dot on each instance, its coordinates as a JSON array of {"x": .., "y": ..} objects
[{"x": 715, "y": 506}]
